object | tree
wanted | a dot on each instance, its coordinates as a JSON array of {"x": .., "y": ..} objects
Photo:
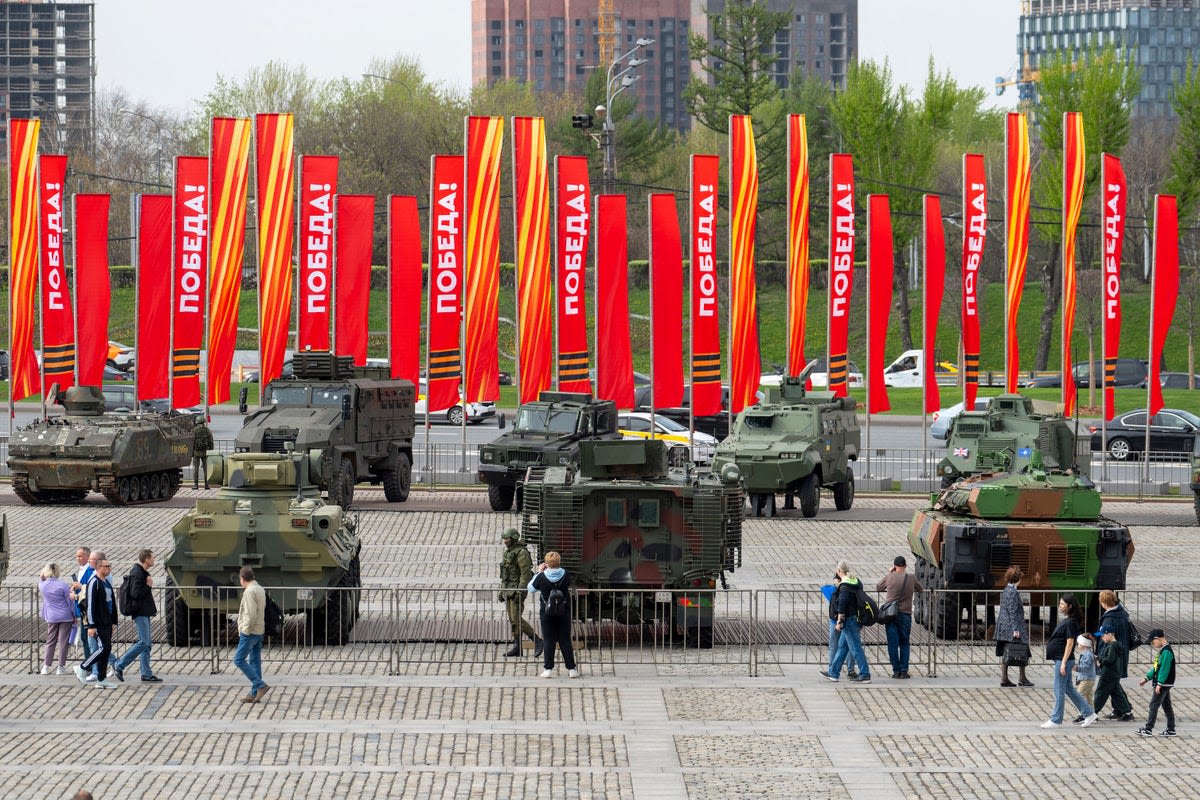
[{"x": 1184, "y": 182}]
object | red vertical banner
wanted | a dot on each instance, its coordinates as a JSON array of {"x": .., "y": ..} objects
[
  {"x": 354, "y": 216},
  {"x": 880, "y": 270},
  {"x": 745, "y": 365},
  {"x": 189, "y": 287},
  {"x": 798, "y": 241},
  {"x": 841, "y": 269},
  {"x": 58, "y": 322},
  {"x": 444, "y": 366},
  {"x": 92, "y": 282},
  {"x": 153, "y": 340},
  {"x": 1113, "y": 196},
  {"x": 974, "y": 239},
  {"x": 318, "y": 185},
  {"x": 229, "y": 159},
  {"x": 666, "y": 301},
  {"x": 614, "y": 350},
  {"x": 933, "y": 237},
  {"x": 531, "y": 234},
  {"x": 481, "y": 356},
  {"x": 1164, "y": 289},
  {"x": 404, "y": 287},
  {"x": 1073, "y": 181},
  {"x": 571, "y": 206},
  {"x": 1017, "y": 176},
  {"x": 276, "y": 195},
  {"x": 705, "y": 325},
  {"x": 24, "y": 379}
]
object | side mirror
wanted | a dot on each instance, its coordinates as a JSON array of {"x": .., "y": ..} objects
[
  {"x": 243, "y": 400},
  {"x": 346, "y": 407}
]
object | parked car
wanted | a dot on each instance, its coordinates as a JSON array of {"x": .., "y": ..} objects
[
  {"x": 1177, "y": 380},
  {"x": 120, "y": 356},
  {"x": 476, "y": 412},
  {"x": 1129, "y": 372},
  {"x": 4, "y": 368},
  {"x": 820, "y": 380},
  {"x": 1047, "y": 381},
  {"x": 112, "y": 373},
  {"x": 505, "y": 378},
  {"x": 638, "y": 425},
  {"x": 940, "y": 428},
  {"x": 716, "y": 426},
  {"x": 1172, "y": 432}
]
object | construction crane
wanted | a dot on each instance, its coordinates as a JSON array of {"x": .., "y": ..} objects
[
  {"x": 606, "y": 26},
  {"x": 1025, "y": 80}
]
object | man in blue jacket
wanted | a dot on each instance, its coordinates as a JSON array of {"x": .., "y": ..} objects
[{"x": 101, "y": 617}]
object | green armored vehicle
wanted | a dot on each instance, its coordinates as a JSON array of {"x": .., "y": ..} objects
[
  {"x": 128, "y": 458},
  {"x": 547, "y": 432},
  {"x": 626, "y": 520},
  {"x": 1047, "y": 523},
  {"x": 269, "y": 515},
  {"x": 794, "y": 442},
  {"x": 1003, "y": 437},
  {"x": 360, "y": 419}
]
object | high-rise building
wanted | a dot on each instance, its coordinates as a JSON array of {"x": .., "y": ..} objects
[
  {"x": 556, "y": 44},
  {"x": 48, "y": 69},
  {"x": 1158, "y": 35}
]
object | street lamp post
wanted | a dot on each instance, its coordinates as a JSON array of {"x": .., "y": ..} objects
[
  {"x": 158, "y": 156},
  {"x": 614, "y": 85}
]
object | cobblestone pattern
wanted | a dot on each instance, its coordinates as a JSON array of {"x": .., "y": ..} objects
[
  {"x": 767, "y": 752},
  {"x": 973, "y": 752},
  {"x": 757, "y": 786},
  {"x": 774, "y": 704},
  {"x": 1001, "y": 785}
]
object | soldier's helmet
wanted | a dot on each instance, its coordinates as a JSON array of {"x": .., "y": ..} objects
[{"x": 510, "y": 535}]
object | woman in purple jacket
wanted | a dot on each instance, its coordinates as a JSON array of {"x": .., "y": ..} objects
[{"x": 58, "y": 611}]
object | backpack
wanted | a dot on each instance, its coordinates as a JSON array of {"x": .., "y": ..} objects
[
  {"x": 556, "y": 603},
  {"x": 125, "y": 597},
  {"x": 868, "y": 609},
  {"x": 1135, "y": 638}
]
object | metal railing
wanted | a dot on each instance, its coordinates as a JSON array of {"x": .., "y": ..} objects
[{"x": 387, "y": 629}]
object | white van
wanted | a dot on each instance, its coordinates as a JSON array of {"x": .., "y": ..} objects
[{"x": 908, "y": 370}]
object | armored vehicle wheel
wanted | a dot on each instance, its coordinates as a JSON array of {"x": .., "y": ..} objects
[
  {"x": 156, "y": 491},
  {"x": 398, "y": 480},
  {"x": 135, "y": 489},
  {"x": 144, "y": 489},
  {"x": 700, "y": 637},
  {"x": 843, "y": 493},
  {"x": 342, "y": 491},
  {"x": 123, "y": 489},
  {"x": 454, "y": 415},
  {"x": 500, "y": 498},
  {"x": 810, "y": 495},
  {"x": 1119, "y": 448},
  {"x": 332, "y": 623},
  {"x": 946, "y": 615}
]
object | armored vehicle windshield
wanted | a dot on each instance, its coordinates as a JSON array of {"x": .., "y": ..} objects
[{"x": 541, "y": 419}]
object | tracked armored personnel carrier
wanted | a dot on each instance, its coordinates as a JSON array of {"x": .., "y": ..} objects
[
  {"x": 1003, "y": 437},
  {"x": 794, "y": 442},
  {"x": 1047, "y": 522},
  {"x": 128, "y": 458},
  {"x": 268, "y": 514},
  {"x": 360, "y": 419},
  {"x": 626, "y": 520},
  {"x": 547, "y": 432}
]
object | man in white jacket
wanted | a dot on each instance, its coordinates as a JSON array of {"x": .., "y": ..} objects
[{"x": 251, "y": 627}]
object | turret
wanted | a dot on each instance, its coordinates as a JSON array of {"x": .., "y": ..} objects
[{"x": 83, "y": 401}]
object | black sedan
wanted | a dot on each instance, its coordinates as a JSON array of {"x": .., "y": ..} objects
[{"x": 1172, "y": 433}]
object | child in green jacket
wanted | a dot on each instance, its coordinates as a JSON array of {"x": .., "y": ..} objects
[{"x": 1162, "y": 673}]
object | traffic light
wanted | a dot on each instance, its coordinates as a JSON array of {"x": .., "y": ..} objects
[{"x": 581, "y": 121}]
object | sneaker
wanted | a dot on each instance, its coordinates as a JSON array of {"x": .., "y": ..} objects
[
  {"x": 151, "y": 679},
  {"x": 45, "y": 669},
  {"x": 547, "y": 674},
  {"x": 1168, "y": 732},
  {"x": 1051, "y": 724},
  {"x": 81, "y": 675},
  {"x": 105, "y": 684},
  {"x": 572, "y": 673},
  {"x": 249, "y": 699},
  {"x": 1145, "y": 732},
  {"x": 60, "y": 671},
  {"x": 1127, "y": 717},
  {"x": 825, "y": 674},
  {"x": 1113, "y": 715},
  {"x": 91, "y": 678},
  {"x": 1078, "y": 719},
  {"x": 861, "y": 679},
  {"x": 905, "y": 674},
  {"x": 120, "y": 673},
  {"x": 851, "y": 673},
  {"x": 896, "y": 675},
  {"x": 1089, "y": 719},
  {"x": 1024, "y": 682}
]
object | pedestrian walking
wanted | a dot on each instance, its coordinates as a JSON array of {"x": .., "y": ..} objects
[
  {"x": 1162, "y": 678},
  {"x": 899, "y": 586},
  {"x": 1116, "y": 617},
  {"x": 101, "y": 619},
  {"x": 553, "y": 582},
  {"x": 83, "y": 574},
  {"x": 202, "y": 442},
  {"x": 1060, "y": 648},
  {"x": 251, "y": 627},
  {"x": 850, "y": 598},
  {"x": 59, "y": 610},
  {"x": 1111, "y": 654},
  {"x": 835, "y": 633},
  {"x": 141, "y": 595},
  {"x": 1011, "y": 626},
  {"x": 516, "y": 570},
  {"x": 1085, "y": 668}
]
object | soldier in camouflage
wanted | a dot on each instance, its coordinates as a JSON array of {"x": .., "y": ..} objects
[
  {"x": 516, "y": 568},
  {"x": 202, "y": 442}
]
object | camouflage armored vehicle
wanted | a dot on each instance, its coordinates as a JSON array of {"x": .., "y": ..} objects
[
  {"x": 1003, "y": 437},
  {"x": 547, "y": 432},
  {"x": 360, "y": 420},
  {"x": 1048, "y": 523},
  {"x": 128, "y": 458},
  {"x": 626, "y": 520},
  {"x": 794, "y": 442},
  {"x": 268, "y": 514}
]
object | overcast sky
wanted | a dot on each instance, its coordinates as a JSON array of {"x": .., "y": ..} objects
[{"x": 169, "y": 53}]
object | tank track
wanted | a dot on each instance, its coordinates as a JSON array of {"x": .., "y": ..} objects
[
  {"x": 44, "y": 497},
  {"x": 110, "y": 487}
]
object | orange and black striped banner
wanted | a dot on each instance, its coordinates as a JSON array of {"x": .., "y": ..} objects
[
  {"x": 58, "y": 320},
  {"x": 705, "y": 323},
  {"x": 229, "y": 160},
  {"x": 1073, "y": 183},
  {"x": 531, "y": 226},
  {"x": 484, "y": 137},
  {"x": 275, "y": 192},
  {"x": 798, "y": 241},
  {"x": 1017, "y": 177},
  {"x": 24, "y": 378},
  {"x": 744, "y": 360}
]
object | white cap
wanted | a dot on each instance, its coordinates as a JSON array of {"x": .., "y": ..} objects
[{"x": 1083, "y": 641}]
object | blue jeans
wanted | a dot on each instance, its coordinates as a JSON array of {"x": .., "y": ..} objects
[
  {"x": 248, "y": 659},
  {"x": 897, "y": 639},
  {"x": 850, "y": 645},
  {"x": 139, "y": 648},
  {"x": 1064, "y": 686},
  {"x": 835, "y": 636}
]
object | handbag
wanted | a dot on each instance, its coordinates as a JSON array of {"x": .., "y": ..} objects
[
  {"x": 1016, "y": 654},
  {"x": 890, "y": 611}
]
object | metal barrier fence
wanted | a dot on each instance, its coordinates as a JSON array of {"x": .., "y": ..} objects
[{"x": 386, "y": 629}]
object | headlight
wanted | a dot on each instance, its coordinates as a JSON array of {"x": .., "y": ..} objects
[
  {"x": 486, "y": 455},
  {"x": 241, "y": 450},
  {"x": 788, "y": 455},
  {"x": 564, "y": 460}
]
